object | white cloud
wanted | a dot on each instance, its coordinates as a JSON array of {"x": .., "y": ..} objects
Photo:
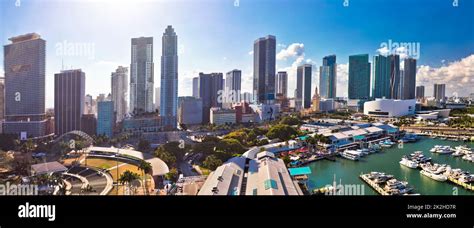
[
  {"x": 342, "y": 79},
  {"x": 250, "y": 52},
  {"x": 383, "y": 51},
  {"x": 458, "y": 76},
  {"x": 294, "y": 50}
]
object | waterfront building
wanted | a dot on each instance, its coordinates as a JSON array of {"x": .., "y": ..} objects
[
  {"x": 303, "y": 85},
  {"x": 169, "y": 79},
  {"x": 389, "y": 107},
  {"x": 190, "y": 110},
  {"x": 264, "y": 58},
  {"x": 265, "y": 175},
  {"x": 141, "y": 75},
  {"x": 105, "y": 118},
  {"x": 69, "y": 94},
  {"x": 381, "y": 77},
  {"x": 328, "y": 77},
  {"x": 24, "y": 66},
  {"x": 359, "y": 77},
  {"x": 281, "y": 84},
  {"x": 119, "y": 80}
]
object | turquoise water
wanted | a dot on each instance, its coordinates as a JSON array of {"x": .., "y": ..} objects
[{"x": 348, "y": 171}]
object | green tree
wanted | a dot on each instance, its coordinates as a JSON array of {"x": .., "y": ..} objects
[
  {"x": 146, "y": 168},
  {"x": 172, "y": 175},
  {"x": 127, "y": 178},
  {"x": 143, "y": 145},
  {"x": 212, "y": 162},
  {"x": 165, "y": 156},
  {"x": 281, "y": 131},
  {"x": 290, "y": 120}
]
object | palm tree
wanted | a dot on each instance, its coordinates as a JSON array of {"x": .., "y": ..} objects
[
  {"x": 145, "y": 167},
  {"x": 127, "y": 177}
]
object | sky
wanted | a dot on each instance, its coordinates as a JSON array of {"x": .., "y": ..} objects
[{"x": 218, "y": 36}]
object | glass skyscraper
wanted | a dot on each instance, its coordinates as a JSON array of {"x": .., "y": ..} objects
[
  {"x": 281, "y": 83},
  {"x": 381, "y": 77},
  {"x": 169, "y": 79},
  {"x": 328, "y": 77},
  {"x": 24, "y": 67},
  {"x": 359, "y": 77},
  {"x": 141, "y": 75},
  {"x": 409, "y": 79},
  {"x": 105, "y": 118},
  {"x": 208, "y": 87},
  {"x": 394, "y": 77},
  {"x": 119, "y": 80},
  {"x": 233, "y": 81},
  {"x": 264, "y": 58},
  {"x": 303, "y": 85}
]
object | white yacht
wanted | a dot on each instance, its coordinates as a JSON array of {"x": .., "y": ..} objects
[
  {"x": 409, "y": 163},
  {"x": 442, "y": 149},
  {"x": 436, "y": 177},
  {"x": 351, "y": 155},
  {"x": 468, "y": 157}
]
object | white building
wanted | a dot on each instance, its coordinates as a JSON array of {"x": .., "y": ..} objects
[
  {"x": 266, "y": 175},
  {"x": 266, "y": 111},
  {"x": 222, "y": 116},
  {"x": 389, "y": 107}
]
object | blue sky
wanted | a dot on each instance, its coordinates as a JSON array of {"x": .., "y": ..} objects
[{"x": 217, "y": 36}]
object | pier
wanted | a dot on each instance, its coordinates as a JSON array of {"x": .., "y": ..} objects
[
  {"x": 462, "y": 184},
  {"x": 374, "y": 185}
]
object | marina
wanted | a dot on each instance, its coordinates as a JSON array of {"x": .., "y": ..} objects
[
  {"x": 388, "y": 161},
  {"x": 387, "y": 185}
]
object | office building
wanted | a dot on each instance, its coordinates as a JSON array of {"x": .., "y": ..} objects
[
  {"x": 409, "y": 79},
  {"x": 169, "y": 79},
  {"x": 189, "y": 110},
  {"x": 24, "y": 67},
  {"x": 420, "y": 92},
  {"x": 69, "y": 94},
  {"x": 196, "y": 87},
  {"x": 359, "y": 77},
  {"x": 2, "y": 100},
  {"x": 220, "y": 116},
  {"x": 303, "y": 85},
  {"x": 233, "y": 81},
  {"x": 439, "y": 92},
  {"x": 281, "y": 84},
  {"x": 328, "y": 77},
  {"x": 141, "y": 75},
  {"x": 394, "y": 76},
  {"x": 264, "y": 58},
  {"x": 209, "y": 86},
  {"x": 381, "y": 77},
  {"x": 157, "y": 98},
  {"x": 89, "y": 124},
  {"x": 119, "y": 80},
  {"x": 389, "y": 108},
  {"x": 105, "y": 118}
]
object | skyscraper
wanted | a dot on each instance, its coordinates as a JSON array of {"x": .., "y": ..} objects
[
  {"x": 2, "y": 100},
  {"x": 420, "y": 92},
  {"x": 439, "y": 92},
  {"x": 381, "y": 77},
  {"x": 281, "y": 83},
  {"x": 157, "y": 98},
  {"x": 196, "y": 87},
  {"x": 328, "y": 77},
  {"x": 409, "y": 79},
  {"x": 264, "y": 58},
  {"x": 208, "y": 86},
  {"x": 190, "y": 110},
  {"x": 24, "y": 67},
  {"x": 233, "y": 82},
  {"x": 119, "y": 92},
  {"x": 359, "y": 77},
  {"x": 169, "y": 78},
  {"x": 394, "y": 76},
  {"x": 141, "y": 75},
  {"x": 303, "y": 85},
  {"x": 69, "y": 94},
  {"x": 105, "y": 118}
]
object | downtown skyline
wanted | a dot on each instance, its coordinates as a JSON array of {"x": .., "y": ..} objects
[{"x": 218, "y": 48}]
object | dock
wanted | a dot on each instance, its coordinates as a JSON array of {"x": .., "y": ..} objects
[
  {"x": 464, "y": 185},
  {"x": 374, "y": 185}
]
